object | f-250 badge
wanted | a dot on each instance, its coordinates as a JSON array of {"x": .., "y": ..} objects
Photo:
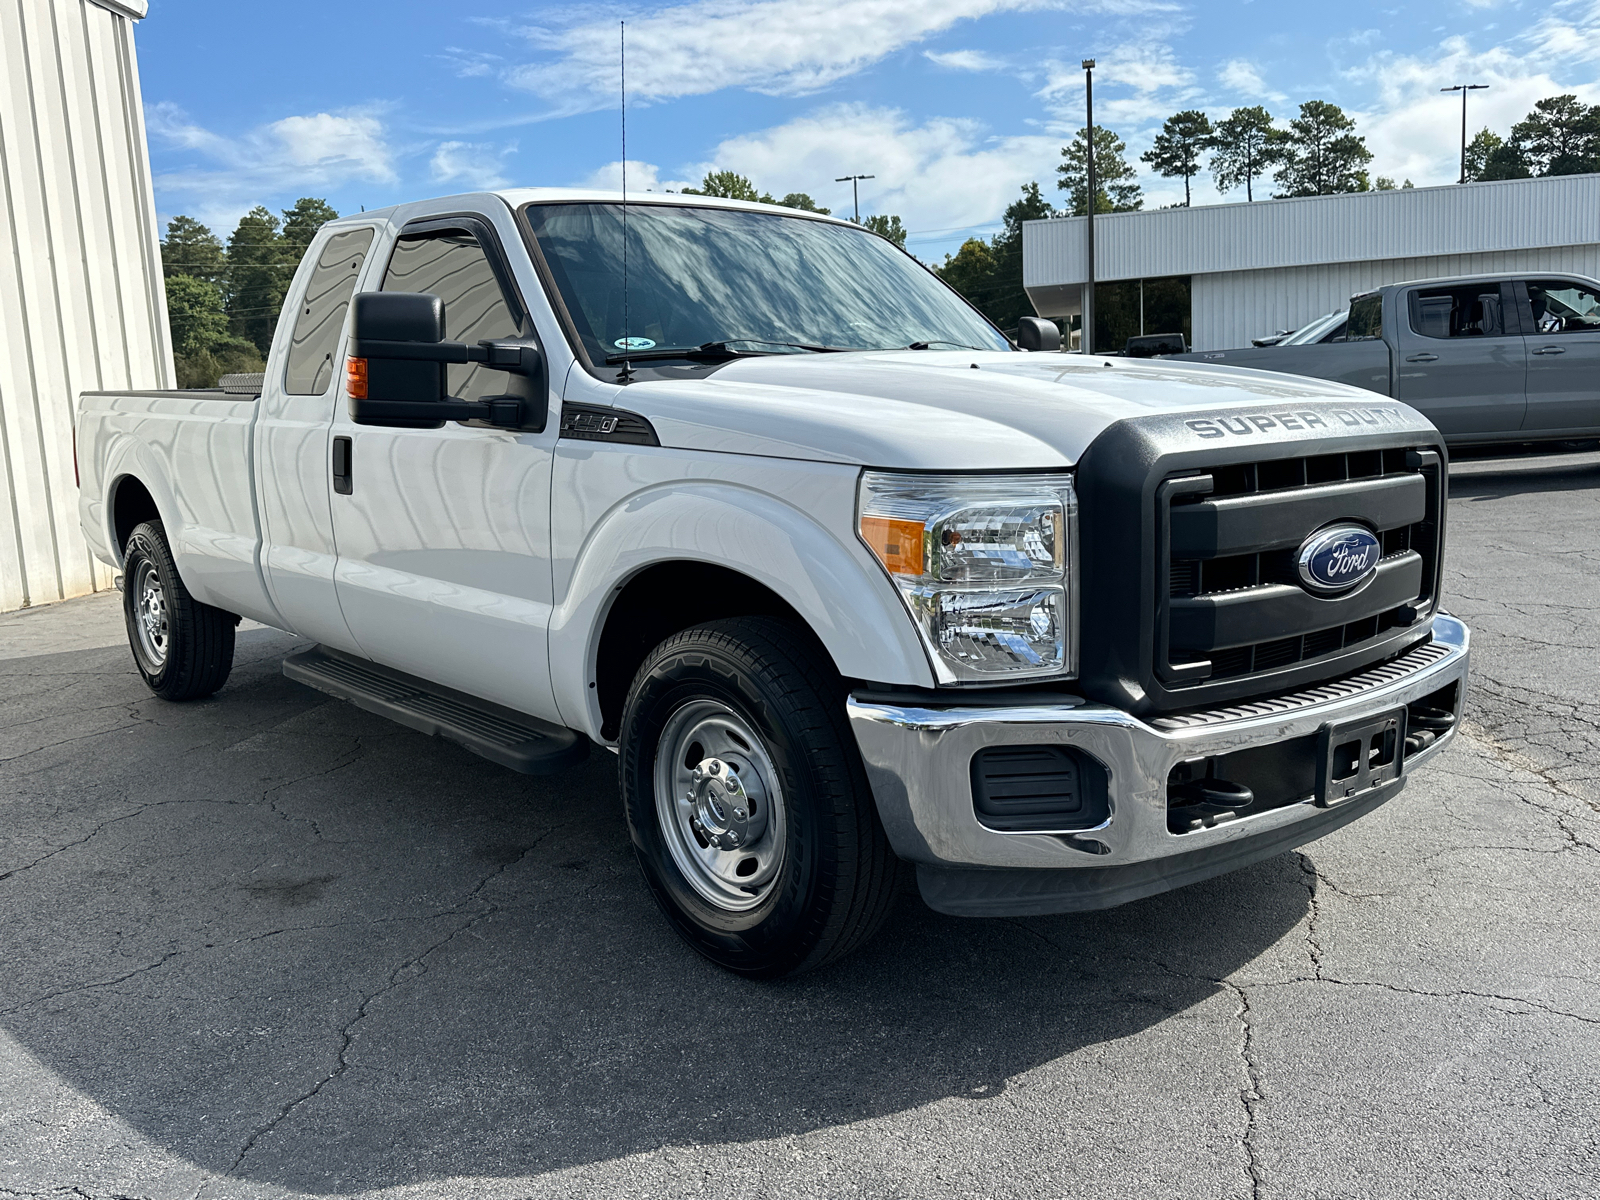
[{"x": 1337, "y": 559}]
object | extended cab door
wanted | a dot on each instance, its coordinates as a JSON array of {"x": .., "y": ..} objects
[
  {"x": 1562, "y": 330},
  {"x": 303, "y": 386},
  {"x": 1460, "y": 364},
  {"x": 444, "y": 534}
]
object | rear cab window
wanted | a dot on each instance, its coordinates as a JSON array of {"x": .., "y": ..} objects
[
  {"x": 1462, "y": 311},
  {"x": 320, "y": 319}
]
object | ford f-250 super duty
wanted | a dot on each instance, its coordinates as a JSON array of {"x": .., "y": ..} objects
[
  {"x": 1486, "y": 358},
  {"x": 847, "y": 581}
]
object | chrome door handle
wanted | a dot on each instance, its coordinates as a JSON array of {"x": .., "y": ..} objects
[
  {"x": 1551, "y": 350},
  {"x": 1422, "y": 358}
]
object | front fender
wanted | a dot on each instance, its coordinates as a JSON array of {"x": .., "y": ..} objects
[{"x": 792, "y": 546}]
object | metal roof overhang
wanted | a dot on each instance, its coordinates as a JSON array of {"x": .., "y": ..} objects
[{"x": 136, "y": 9}]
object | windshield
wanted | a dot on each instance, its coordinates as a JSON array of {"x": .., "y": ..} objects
[
  {"x": 745, "y": 282},
  {"x": 1317, "y": 330}
]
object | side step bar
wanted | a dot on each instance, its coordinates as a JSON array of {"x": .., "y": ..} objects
[{"x": 501, "y": 735}]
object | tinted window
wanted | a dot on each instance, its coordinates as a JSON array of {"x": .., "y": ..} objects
[
  {"x": 454, "y": 267},
  {"x": 1366, "y": 318},
  {"x": 1562, "y": 306},
  {"x": 320, "y": 320},
  {"x": 1470, "y": 310},
  {"x": 698, "y": 275}
]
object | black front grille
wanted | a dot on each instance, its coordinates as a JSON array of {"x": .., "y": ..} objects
[
  {"x": 1232, "y": 606},
  {"x": 1190, "y": 527}
]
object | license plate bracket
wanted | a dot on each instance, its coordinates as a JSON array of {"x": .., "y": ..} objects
[{"x": 1357, "y": 756}]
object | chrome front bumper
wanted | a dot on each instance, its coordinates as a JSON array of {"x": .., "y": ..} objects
[{"x": 918, "y": 761}]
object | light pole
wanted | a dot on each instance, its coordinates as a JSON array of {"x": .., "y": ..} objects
[
  {"x": 1086, "y": 334},
  {"x": 855, "y": 189},
  {"x": 1464, "y": 88}
]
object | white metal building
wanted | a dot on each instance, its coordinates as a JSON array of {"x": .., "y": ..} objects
[
  {"x": 81, "y": 300},
  {"x": 1275, "y": 264}
]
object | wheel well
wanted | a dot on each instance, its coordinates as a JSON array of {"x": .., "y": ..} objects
[
  {"x": 132, "y": 506},
  {"x": 659, "y": 602}
]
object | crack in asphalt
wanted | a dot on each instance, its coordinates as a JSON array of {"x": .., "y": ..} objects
[
  {"x": 1251, "y": 1096},
  {"x": 395, "y": 980},
  {"x": 1454, "y": 994}
]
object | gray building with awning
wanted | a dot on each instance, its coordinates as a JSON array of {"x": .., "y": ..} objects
[{"x": 1224, "y": 273}]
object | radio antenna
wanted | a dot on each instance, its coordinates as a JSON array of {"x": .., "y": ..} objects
[{"x": 626, "y": 374}]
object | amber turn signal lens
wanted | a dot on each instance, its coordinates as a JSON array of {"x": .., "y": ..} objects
[
  {"x": 897, "y": 543},
  {"x": 355, "y": 378}
]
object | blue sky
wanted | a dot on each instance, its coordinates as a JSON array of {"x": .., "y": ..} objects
[{"x": 952, "y": 104}]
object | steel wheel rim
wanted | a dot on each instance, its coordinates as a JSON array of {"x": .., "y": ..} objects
[
  {"x": 689, "y": 806},
  {"x": 150, "y": 619}
]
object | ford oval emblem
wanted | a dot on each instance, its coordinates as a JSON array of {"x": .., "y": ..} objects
[{"x": 1338, "y": 558}]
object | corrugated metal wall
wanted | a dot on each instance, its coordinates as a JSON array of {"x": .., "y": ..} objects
[
  {"x": 81, "y": 302},
  {"x": 1231, "y": 307},
  {"x": 1518, "y": 214}
]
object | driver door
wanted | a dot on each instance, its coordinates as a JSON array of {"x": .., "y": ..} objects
[
  {"x": 444, "y": 534},
  {"x": 1562, "y": 331}
]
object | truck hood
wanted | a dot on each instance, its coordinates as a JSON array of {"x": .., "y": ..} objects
[{"x": 952, "y": 410}]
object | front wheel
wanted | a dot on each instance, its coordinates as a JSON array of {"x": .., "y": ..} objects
[
  {"x": 747, "y": 802},
  {"x": 183, "y": 648}
]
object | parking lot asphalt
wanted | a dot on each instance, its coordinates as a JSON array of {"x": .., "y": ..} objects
[{"x": 269, "y": 945}]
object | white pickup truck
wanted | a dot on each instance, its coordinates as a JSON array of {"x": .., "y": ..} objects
[{"x": 848, "y": 583}]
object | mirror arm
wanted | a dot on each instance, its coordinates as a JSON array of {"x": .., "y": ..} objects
[{"x": 515, "y": 358}]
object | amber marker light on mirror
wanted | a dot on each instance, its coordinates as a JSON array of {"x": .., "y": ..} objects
[{"x": 355, "y": 378}]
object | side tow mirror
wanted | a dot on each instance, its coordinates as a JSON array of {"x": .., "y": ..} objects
[
  {"x": 1036, "y": 333},
  {"x": 396, "y": 368}
]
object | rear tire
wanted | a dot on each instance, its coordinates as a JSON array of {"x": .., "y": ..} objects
[
  {"x": 780, "y": 865},
  {"x": 183, "y": 648}
]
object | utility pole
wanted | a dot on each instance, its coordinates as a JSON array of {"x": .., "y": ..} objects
[
  {"x": 855, "y": 189},
  {"x": 1086, "y": 335},
  {"x": 1464, "y": 88}
]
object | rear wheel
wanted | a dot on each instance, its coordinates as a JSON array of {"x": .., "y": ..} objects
[
  {"x": 747, "y": 802},
  {"x": 183, "y": 648}
]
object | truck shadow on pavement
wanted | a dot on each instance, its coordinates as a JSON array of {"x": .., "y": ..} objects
[
  {"x": 1521, "y": 477},
  {"x": 293, "y": 943}
]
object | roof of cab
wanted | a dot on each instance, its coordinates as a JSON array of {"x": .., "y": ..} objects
[{"x": 517, "y": 197}]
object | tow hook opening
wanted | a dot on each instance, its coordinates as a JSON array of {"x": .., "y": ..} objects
[{"x": 1429, "y": 719}]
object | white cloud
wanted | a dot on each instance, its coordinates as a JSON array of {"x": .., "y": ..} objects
[
  {"x": 476, "y": 164},
  {"x": 964, "y": 60},
  {"x": 1415, "y": 131},
  {"x": 1243, "y": 80},
  {"x": 941, "y": 176},
  {"x": 312, "y": 151},
  {"x": 642, "y": 177},
  {"x": 776, "y": 47}
]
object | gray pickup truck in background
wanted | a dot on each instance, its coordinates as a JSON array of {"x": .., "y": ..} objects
[{"x": 1487, "y": 358}]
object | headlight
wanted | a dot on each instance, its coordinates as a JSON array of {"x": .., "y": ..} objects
[{"x": 984, "y": 565}]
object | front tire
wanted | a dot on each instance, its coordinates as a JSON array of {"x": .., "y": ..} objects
[
  {"x": 747, "y": 802},
  {"x": 183, "y": 648}
]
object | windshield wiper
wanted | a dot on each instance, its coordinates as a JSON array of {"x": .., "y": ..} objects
[
  {"x": 932, "y": 342},
  {"x": 717, "y": 351}
]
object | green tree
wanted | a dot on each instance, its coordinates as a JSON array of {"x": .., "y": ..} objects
[
  {"x": 1115, "y": 187},
  {"x": 1561, "y": 136},
  {"x": 195, "y": 315},
  {"x": 730, "y": 185},
  {"x": 886, "y": 225},
  {"x": 1384, "y": 183},
  {"x": 256, "y": 277},
  {"x": 1323, "y": 155},
  {"x": 193, "y": 250},
  {"x": 970, "y": 270},
  {"x": 804, "y": 203},
  {"x": 1179, "y": 146},
  {"x": 990, "y": 274},
  {"x": 1245, "y": 146},
  {"x": 1483, "y": 144},
  {"x": 300, "y": 225}
]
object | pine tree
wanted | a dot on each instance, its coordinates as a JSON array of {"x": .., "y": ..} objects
[
  {"x": 1322, "y": 153},
  {"x": 1178, "y": 147},
  {"x": 1244, "y": 147},
  {"x": 300, "y": 225},
  {"x": 1116, "y": 189},
  {"x": 258, "y": 275},
  {"x": 1561, "y": 136},
  {"x": 193, "y": 250}
]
